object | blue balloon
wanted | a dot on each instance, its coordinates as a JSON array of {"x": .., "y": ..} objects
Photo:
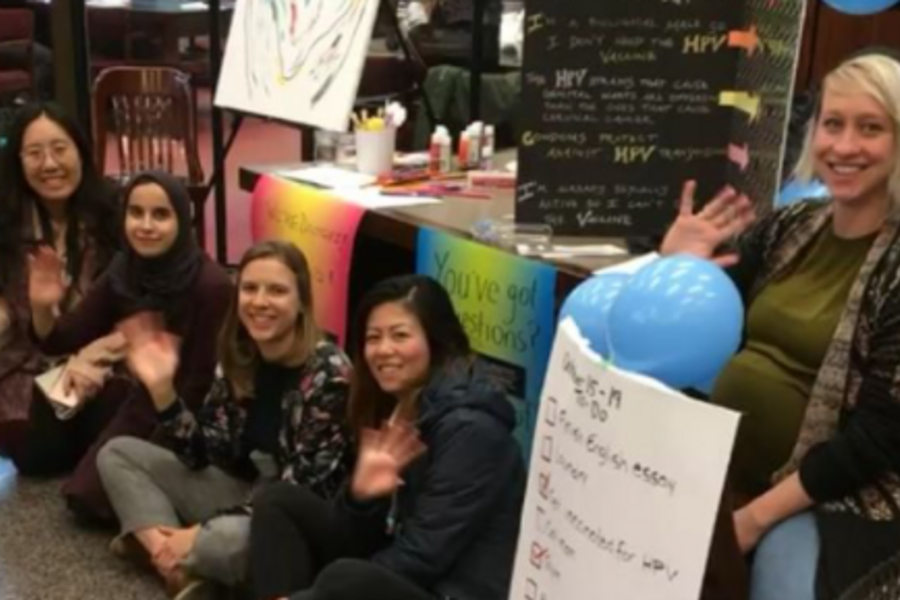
[
  {"x": 796, "y": 190},
  {"x": 707, "y": 386},
  {"x": 678, "y": 320},
  {"x": 860, "y": 7},
  {"x": 589, "y": 305}
]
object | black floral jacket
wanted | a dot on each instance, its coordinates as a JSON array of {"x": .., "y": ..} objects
[{"x": 313, "y": 442}]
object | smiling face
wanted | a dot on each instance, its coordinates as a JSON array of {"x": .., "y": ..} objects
[
  {"x": 396, "y": 350},
  {"x": 854, "y": 147},
  {"x": 151, "y": 225},
  {"x": 269, "y": 307},
  {"x": 50, "y": 160}
]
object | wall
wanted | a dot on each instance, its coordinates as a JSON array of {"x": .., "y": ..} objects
[{"x": 829, "y": 36}]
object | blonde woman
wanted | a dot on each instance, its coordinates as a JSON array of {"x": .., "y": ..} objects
[{"x": 818, "y": 453}]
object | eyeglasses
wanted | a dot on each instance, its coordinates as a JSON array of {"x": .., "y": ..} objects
[{"x": 35, "y": 156}]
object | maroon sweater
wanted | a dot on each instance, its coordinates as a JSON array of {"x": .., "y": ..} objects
[{"x": 197, "y": 323}]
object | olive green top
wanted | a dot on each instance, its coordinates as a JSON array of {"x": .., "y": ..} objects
[{"x": 789, "y": 327}]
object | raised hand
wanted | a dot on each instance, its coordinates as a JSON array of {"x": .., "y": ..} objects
[
  {"x": 152, "y": 356},
  {"x": 140, "y": 327},
  {"x": 154, "y": 361},
  {"x": 46, "y": 279},
  {"x": 383, "y": 454},
  {"x": 725, "y": 216}
]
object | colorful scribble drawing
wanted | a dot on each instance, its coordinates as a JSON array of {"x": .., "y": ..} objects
[{"x": 299, "y": 39}]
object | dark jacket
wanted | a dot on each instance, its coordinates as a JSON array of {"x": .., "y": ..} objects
[{"x": 456, "y": 520}]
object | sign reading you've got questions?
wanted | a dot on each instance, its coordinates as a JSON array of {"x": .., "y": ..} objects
[
  {"x": 624, "y": 101},
  {"x": 624, "y": 484},
  {"x": 505, "y": 303}
]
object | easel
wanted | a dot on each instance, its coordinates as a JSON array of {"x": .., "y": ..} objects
[{"x": 220, "y": 150}]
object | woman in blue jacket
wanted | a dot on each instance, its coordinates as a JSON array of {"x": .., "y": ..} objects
[{"x": 432, "y": 508}]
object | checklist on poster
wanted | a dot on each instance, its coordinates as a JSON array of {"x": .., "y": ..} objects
[{"x": 624, "y": 484}]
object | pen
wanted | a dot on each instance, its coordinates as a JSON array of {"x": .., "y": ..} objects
[
  {"x": 399, "y": 193},
  {"x": 473, "y": 195}
]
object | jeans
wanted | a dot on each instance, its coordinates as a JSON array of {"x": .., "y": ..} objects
[{"x": 786, "y": 559}]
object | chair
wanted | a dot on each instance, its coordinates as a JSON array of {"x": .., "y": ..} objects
[
  {"x": 17, "y": 32},
  {"x": 151, "y": 114}
]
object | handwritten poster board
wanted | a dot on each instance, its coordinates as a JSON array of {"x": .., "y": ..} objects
[
  {"x": 624, "y": 101},
  {"x": 296, "y": 61},
  {"x": 624, "y": 484},
  {"x": 324, "y": 228},
  {"x": 505, "y": 304}
]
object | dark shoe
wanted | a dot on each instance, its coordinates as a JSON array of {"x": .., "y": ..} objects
[
  {"x": 197, "y": 589},
  {"x": 128, "y": 548}
]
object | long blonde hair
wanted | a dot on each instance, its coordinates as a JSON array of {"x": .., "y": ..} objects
[
  {"x": 878, "y": 76},
  {"x": 238, "y": 353}
]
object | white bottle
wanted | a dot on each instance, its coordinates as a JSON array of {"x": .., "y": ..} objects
[
  {"x": 476, "y": 131},
  {"x": 445, "y": 148},
  {"x": 487, "y": 149}
]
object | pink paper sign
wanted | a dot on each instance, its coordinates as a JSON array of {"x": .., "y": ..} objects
[{"x": 324, "y": 228}]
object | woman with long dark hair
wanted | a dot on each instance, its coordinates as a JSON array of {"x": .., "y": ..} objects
[{"x": 50, "y": 194}]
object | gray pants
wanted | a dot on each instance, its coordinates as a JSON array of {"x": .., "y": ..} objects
[{"x": 150, "y": 487}]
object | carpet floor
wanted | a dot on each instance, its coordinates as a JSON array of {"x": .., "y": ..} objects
[{"x": 45, "y": 555}]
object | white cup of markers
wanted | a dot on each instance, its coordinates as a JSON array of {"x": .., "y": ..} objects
[{"x": 376, "y": 138}]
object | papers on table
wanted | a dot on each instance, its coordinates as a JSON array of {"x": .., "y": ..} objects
[
  {"x": 354, "y": 187},
  {"x": 329, "y": 177},
  {"x": 630, "y": 267},
  {"x": 373, "y": 199},
  {"x": 560, "y": 251}
]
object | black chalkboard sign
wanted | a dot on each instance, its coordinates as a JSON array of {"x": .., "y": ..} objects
[{"x": 625, "y": 100}]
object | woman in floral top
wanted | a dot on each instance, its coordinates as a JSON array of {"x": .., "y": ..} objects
[{"x": 276, "y": 413}]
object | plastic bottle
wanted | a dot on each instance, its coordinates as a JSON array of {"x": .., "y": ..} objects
[
  {"x": 463, "y": 151},
  {"x": 487, "y": 149},
  {"x": 476, "y": 131},
  {"x": 444, "y": 149},
  {"x": 434, "y": 152}
]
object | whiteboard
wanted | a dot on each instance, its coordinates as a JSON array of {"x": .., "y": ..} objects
[{"x": 296, "y": 60}]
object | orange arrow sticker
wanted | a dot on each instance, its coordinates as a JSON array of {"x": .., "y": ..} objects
[{"x": 748, "y": 40}]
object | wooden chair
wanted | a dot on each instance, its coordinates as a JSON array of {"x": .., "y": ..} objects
[
  {"x": 151, "y": 114},
  {"x": 17, "y": 31}
]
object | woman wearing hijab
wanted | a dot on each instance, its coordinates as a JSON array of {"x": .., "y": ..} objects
[{"x": 162, "y": 277}]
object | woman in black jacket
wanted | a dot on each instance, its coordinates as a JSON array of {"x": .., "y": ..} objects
[{"x": 432, "y": 508}]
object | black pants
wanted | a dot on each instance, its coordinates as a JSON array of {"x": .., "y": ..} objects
[
  {"x": 50, "y": 446},
  {"x": 299, "y": 542},
  {"x": 356, "y": 579}
]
